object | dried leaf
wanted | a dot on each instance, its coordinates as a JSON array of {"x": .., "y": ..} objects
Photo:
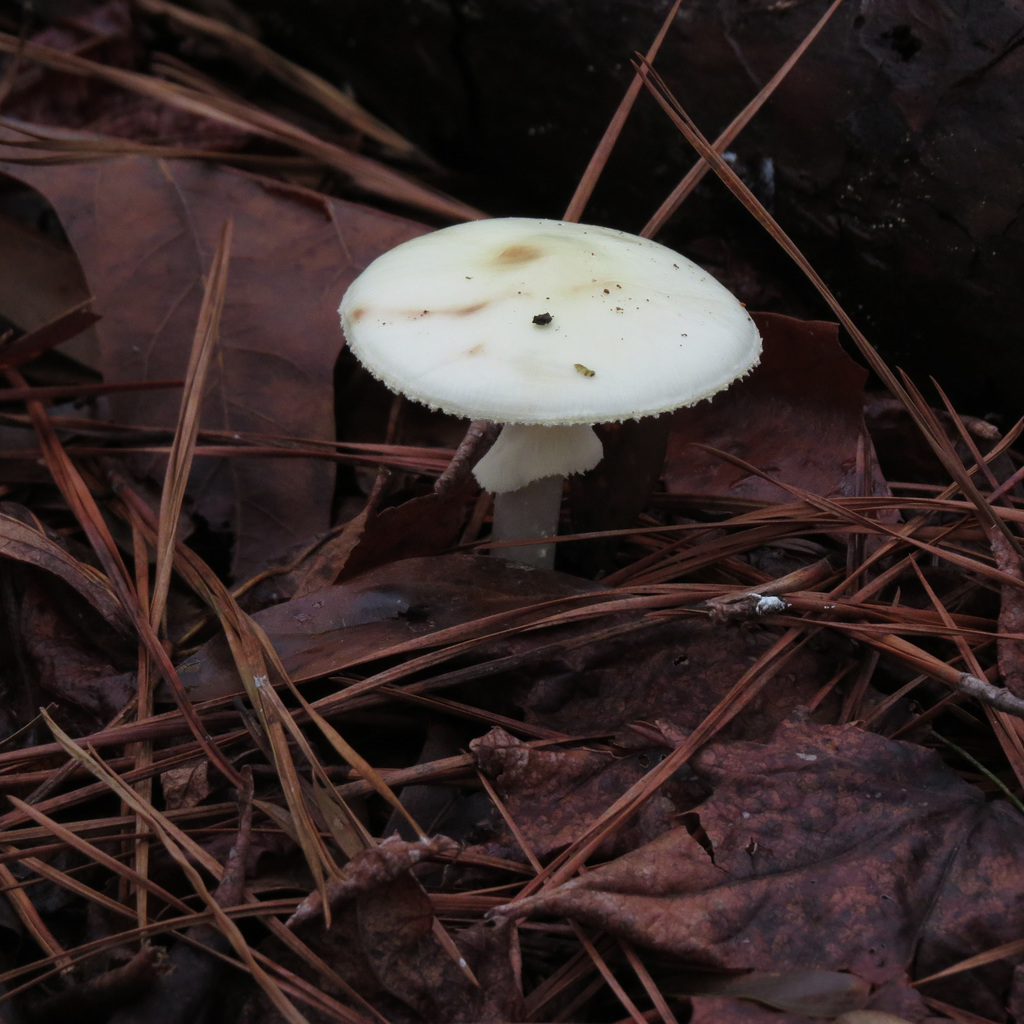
[
  {"x": 187, "y": 786},
  {"x": 144, "y": 231},
  {"x": 678, "y": 670},
  {"x": 396, "y": 931},
  {"x": 870, "y": 1017},
  {"x": 798, "y": 417},
  {"x": 552, "y": 795},
  {"x": 722, "y": 1010},
  {"x": 827, "y": 848},
  {"x": 384, "y": 941},
  {"x": 27, "y": 543},
  {"x": 49, "y": 265},
  {"x": 814, "y": 993},
  {"x": 354, "y": 621},
  {"x": 426, "y": 525},
  {"x": 66, "y": 654}
]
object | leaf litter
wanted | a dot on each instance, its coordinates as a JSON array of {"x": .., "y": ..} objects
[{"x": 747, "y": 774}]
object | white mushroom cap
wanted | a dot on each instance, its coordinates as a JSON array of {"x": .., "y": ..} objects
[{"x": 448, "y": 319}]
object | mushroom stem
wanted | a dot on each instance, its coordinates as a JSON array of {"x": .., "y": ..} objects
[{"x": 530, "y": 511}]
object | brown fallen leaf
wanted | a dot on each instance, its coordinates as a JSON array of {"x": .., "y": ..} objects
[
  {"x": 368, "y": 869},
  {"x": 677, "y": 670},
  {"x": 870, "y": 1017},
  {"x": 426, "y": 525},
  {"x": 64, "y": 652},
  {"x": 552, "y": 795},
  {"x": 827, "y": 848},
  {"x": 50, "y": 264},
  {"x": 798, "y": 417},
  {"x": 383, "y": 943},
  {"x": 808, "y": 992},
  {"x": 723, "y": 1010},
  {"x": 357, "y": 620},
  {"x": 144, "y": 231},
  {"x": 975, "y": 911},
  {"x": 397, "y": 937},
  {"x": 187, "y": 786},
  {"x": 22, "y": 540}
]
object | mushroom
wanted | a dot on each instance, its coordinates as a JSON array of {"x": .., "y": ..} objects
[{"x": 546, "y": 327}]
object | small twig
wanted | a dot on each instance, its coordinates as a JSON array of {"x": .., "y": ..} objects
[
  {"x": 996, "y": 696},
  {"x": 97, "y": 995},
  {"x": 480, "y": 435},
  {"x": 764, "y": 599},
  {"x": 231, "y": 889},
  {"x": 1011, "y": 615}
]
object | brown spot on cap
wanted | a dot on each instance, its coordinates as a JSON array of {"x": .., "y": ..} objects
[
  {"x": 358, "y": 313},
  {"x": 467, "y": 310},
  {"x": 515, "y": 254},
  {"x": 475, "y": 350}
]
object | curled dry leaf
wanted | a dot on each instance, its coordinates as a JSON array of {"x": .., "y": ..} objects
[
  {"x": 371, "y": 868},
  {"x": 187, "y": 786},
  {"x": 23, "y": 541}
]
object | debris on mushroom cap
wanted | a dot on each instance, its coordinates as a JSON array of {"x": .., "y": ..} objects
[{"x": 449, "y": 319}]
